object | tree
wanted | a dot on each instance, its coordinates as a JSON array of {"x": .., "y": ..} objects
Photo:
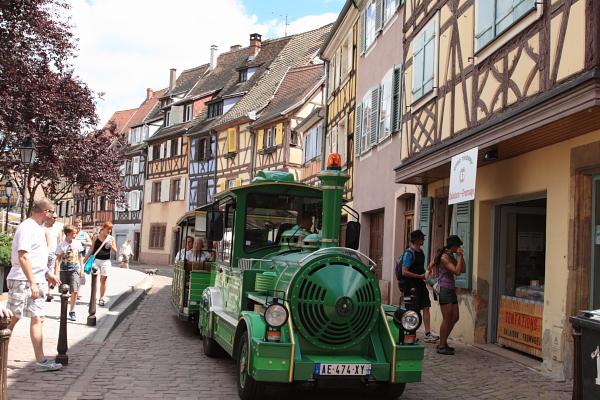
[{"x": 41, "y": 97}]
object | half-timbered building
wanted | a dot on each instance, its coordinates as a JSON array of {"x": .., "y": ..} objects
[
  {"x": 386, "y": 211},
  {"x": 518, "y": 84},
  {"x": 278, "y": 144},
  {"x": 234, "y": 140},
  {"x": 167, "y": 171},
  {"x": 146, "y": 120},
  {"x": 217, "y": 94},
  {"x": 95, "y": 209}
]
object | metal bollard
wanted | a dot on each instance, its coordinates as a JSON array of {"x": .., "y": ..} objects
[
  {"x": 91, "y": 319},
  {"x": 4, "y": 338},
  {"x": 62, "y": 345}
]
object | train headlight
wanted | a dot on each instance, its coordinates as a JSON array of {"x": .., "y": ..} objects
[
  {"x": 409, "y": 320},
  {"x": 275, "y": 314}
]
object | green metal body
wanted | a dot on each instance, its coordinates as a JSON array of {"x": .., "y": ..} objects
[{"x": 333, "y": 298}]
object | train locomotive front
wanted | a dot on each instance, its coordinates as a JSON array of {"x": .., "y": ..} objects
[{"x": 308, "y": 312}]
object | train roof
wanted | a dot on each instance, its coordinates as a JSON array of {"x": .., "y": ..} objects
[{"x": 270, "y": 178}]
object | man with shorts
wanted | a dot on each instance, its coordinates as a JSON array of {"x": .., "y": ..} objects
[
  {"x": 27, "y": 288},
  {"x": 413, "y": 272}
]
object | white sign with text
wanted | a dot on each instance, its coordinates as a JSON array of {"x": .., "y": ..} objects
[{"x": 463, "y": 174}]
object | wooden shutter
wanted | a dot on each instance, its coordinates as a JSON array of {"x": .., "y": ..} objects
[
  {"x": 182, "y": 188},
  {"x": 161, "y": 153},
  {"x": 165, "y": 190},
  {"x": 148, "y": 192},
  {"x": 374, "y": 134},
  {"x": 260, "y": 141},
  {"x": 231, "y": 140},
  {"x": 429, "y": 58},
  {"x": 484, "y": 30},
  {"x": 179, "y": 146},
  {"x": 319, "y": 140},
  {"x": 238, "y": 181},
  {"x": 463, "y": 227},
  {"x": 363, "y": 31},
  {"x": 278, "y": 134},
  {"x": 135, "y": 169},
  {"x": 168, "y": 149},
  {"x": 418, "y": 60},
  {"x": 150, "y": 150},
  {"x": 378, "y": 15},
  {"x": 358, "y": 129},
  {"x": 397, "y": 99},
  {"x": 222, "y": 185},
  {"x": 425, "y": 225}
]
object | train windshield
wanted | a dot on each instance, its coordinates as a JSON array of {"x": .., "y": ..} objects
[{"x": 269, "y": 215}]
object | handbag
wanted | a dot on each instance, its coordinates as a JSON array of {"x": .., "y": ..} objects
[
  {"x": 433, "y": 281},
  {"x": 87, "y": 268}
]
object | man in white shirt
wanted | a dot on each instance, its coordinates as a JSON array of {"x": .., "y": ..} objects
[
  {"x": 188, "y": 252},
  {"x": 27, "y": 288}
]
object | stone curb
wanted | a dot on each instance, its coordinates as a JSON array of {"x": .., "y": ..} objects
[{"x": 121, "y": 308}]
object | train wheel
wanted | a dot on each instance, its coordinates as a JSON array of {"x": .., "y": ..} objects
[
  {"x": 248, "y": 388},
  {"x": 211, "y": 347},
  {"x": 389, "y": 391}
]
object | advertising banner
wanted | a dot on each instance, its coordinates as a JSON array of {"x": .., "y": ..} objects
[{"x": 463, "y": 174}]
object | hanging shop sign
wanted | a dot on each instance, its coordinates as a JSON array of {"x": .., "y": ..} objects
[{"x": 463, "y": 174}]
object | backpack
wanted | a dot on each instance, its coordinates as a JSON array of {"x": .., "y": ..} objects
[{"x": 399, "y": 275}]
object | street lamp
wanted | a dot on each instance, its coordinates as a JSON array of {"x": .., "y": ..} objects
[
  {"x": 28, "y": 153},
  {"x": 9, "y": 188}
]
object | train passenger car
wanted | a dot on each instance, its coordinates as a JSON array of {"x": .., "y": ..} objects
[{"x": 289, "y": 303}]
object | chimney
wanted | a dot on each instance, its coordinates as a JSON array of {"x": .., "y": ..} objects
[
  {"x": 213, "y": 58},
  {"x": 172, "y": 78},
  {"x": 236, "y": 47},
  {"x": 255, "y": 44},
  {"x": 149, "y": 93}
]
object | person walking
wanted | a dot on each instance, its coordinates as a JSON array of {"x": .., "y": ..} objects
[
  {"x": 449, "y": 266},
  {"x": 86, "y": 243},
  {"x": 70, "y": 264},
  {"x": 27, "y": 288},
  {"x": 124, "y": 253},
  {"x": 412, "y": 266},
  {"x": 103, "y": 245}
]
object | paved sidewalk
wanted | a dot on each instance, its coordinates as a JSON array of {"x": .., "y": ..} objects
[{"x": 125, "y": 289}]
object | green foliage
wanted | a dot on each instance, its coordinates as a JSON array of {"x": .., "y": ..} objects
[{"x": 5, "y": 248}]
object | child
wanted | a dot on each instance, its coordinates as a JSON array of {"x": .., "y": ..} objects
[{"x": 70, "y": 263}]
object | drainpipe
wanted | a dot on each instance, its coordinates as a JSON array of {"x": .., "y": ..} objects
[{"x": 252, "y": 152}]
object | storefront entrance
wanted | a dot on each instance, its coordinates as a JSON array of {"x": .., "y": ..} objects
[{"x": 518, "y": 275}]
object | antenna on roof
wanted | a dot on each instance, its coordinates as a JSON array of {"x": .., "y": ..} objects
[{"x": 286, "y": 21}]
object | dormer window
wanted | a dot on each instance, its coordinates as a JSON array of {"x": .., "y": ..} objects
[
  {"x": 243, "y": 75},
  {"x": 215, "y": 109},
  {"x": 188, "y": 112}
]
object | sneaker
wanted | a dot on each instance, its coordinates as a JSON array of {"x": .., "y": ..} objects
[
  {"x": 430, "y": 338},
  {"x": 47, "y": 365},
  {"x": 444, "y": 350},
  {"x": 72, "y": 316}
]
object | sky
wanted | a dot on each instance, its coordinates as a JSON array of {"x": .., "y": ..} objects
[{"x": 127, "y": 46}]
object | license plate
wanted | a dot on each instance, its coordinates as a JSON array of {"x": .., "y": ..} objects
[{"x": 342, "y": 369}]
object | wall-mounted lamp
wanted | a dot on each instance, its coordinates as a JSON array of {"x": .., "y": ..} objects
[{"x": 490, "y": 155}]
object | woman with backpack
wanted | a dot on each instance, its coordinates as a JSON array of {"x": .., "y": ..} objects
[{"x": 449, "y": 266}]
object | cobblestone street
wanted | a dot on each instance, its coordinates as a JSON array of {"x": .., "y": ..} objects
[{"x": 152, "y": 354}]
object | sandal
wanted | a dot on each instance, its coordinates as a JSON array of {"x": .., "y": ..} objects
[{"x": 101, "y": 302}]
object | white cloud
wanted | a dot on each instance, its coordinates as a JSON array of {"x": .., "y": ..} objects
[{"x": 126, "y": 46}]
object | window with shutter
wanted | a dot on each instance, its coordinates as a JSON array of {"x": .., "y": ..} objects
[
  {"x": 374, "y": 134},
  {"x": 397, "y": 99},
  {"x": 494, "y": 17},
  {"x": 161, "y": 155},
  {"x": 463, "y": 227},
  {"x": 135, "y": 170},
  {"x": 425, "y": 225},
  {"x": 425, "y": 47},
  {"x": 168, "y": 148},
  {"x": 358, "y": 129},
  {"x": 231, "y": 140},
  {"x": 363, "y": 32},
  {"x": 366, "y": 122},
  {"x": 378, "y": 15}
]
